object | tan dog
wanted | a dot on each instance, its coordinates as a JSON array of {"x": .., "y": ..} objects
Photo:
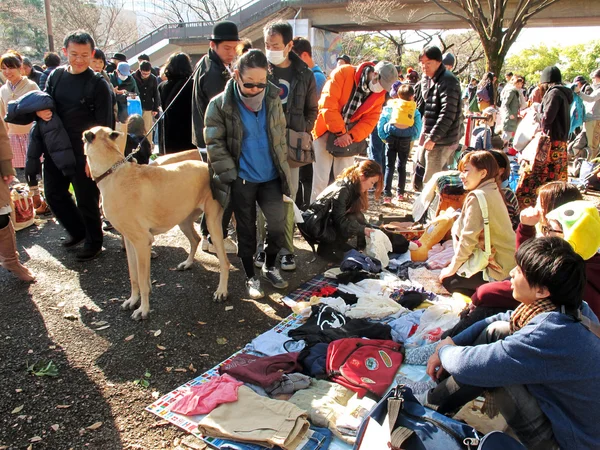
[
  {"x": 186, "y": 155},
  {"x": 143, "y": 201}
]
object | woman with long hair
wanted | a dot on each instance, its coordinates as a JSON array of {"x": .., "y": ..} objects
[
  {"x": 479, "y": 171},
  {"x": 16, "y": 85},
  {"x": 176, "y": 127},
  {"x": 346, "y": 199},
  {"x": 247, "y": 153},
  {"x": 486, "y": 94}
]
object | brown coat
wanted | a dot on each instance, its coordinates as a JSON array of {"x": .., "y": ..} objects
[{"x": 6, "y": 167}]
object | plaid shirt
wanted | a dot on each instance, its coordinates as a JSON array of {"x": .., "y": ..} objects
[{"x": 361, "y": 92}]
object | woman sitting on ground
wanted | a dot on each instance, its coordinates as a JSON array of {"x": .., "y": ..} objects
[
  {"x": 494, "y": 298},
  {"x": 479, "y": 170},
  {"x": 346, "y": 199},
  {"x": 539, "y": 363}
]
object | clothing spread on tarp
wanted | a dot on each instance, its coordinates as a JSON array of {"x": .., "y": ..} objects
[{"x": 287, "y": 385}]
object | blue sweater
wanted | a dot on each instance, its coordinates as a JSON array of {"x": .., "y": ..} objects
[
  {"x": 256, "y": 162},
  {"x": 555, "y": 357},
  {"x": 385, "y": 129}
]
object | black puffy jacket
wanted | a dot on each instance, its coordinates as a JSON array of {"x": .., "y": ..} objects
[
  {"x": 556, "y": 112},
  {"x": 209, "y": 81},
  {"x": 443, "y": 108},
  {"x": 49, "y": 138},
  {"x": 342, "y": 194},
  {"x": 302, "y": 105}
]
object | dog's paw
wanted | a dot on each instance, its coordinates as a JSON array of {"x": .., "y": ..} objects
[
  {"x": 130, "y": 303},
  {"x": 184, "y": 266},
  {"x": 140, "y": 314},
  {"x": 220, "y": 296}
]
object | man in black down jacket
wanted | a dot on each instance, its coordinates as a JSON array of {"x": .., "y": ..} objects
[
  {"x": 443, "y": 112},
  {"x": 298, "y": 94},
  {"x": 209, "y": 81}
]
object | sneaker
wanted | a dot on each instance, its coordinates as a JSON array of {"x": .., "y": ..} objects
[
  {"x": 230, "y": 246},
  {"x": 253, "y": 288},
  {"x": 107, "y": 226},
  {"x": 204, "y": 244},
  {"x": 259, "y": 260},
  {"x": 88, "y": 253},
  {"x": 273, "y": 276},
  {"x": 288, "y": 262},
  {"x": 72, "y": 241},
  {"x": 387, "y": 200},
  {"x": 401, "y": 198}
]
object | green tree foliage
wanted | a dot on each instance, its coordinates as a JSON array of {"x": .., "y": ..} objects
[
  {"x": 572, "y": 60},
  {"x": 22, "y": 26}
]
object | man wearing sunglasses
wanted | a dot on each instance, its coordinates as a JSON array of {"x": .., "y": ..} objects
[
  {"x": 209, "y": 81},
  {"x": 298, "y": 94}
]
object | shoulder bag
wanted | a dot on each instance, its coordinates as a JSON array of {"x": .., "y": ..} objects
[
  {"x": 480, "y": 259},
  {"x": 355, "y": 148},
  {"x": 300, "y": 151}
]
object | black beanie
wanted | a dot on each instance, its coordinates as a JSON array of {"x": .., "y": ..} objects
[{"x": 551, "y": 74}]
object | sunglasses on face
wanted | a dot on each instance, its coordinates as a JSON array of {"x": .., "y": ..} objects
[{"x": 253, "y": 85}]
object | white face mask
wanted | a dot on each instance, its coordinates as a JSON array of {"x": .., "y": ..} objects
[
  {"x": 275, "y": 57},
  {"x": 122, "y": 77},
  {"x": 375, "y": 87}
]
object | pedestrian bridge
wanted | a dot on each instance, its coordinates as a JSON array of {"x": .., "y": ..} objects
[{"x": 333, "y": 16}]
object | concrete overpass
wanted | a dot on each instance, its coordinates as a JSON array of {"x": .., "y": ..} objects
[{"x": 332, "y": 16}]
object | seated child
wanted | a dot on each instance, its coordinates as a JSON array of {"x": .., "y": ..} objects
[
  {"x": 482, "y": 133},
  {"x": 398, "y": 136},
  {"x": 539, "y": 363},
  {"x": 136, "y": 133},
  {"x": 510, "y": 199}
]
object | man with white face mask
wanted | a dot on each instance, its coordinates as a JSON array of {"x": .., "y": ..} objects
[
  {"x": 298, "y": 95},
  {"x": 349, "y": 108},
  {"x": 123, "y": 85}
]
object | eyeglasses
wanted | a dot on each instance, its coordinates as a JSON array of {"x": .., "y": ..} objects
[
  {"x": 253, "y": 85},
  {"x": 546, "y": 229}
]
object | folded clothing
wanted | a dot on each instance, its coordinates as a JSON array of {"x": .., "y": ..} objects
[
  {"x": 274, "y": 343},
  {"x": 257, "y": 420},
  {"x": 288, "y": 384},
  {"x": 324, "y": 401},
  {"x": 263, "y": 371},
  {"x": 204, "y": 398}
]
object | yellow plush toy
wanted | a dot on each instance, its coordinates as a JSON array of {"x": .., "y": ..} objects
[
  {"x": 434, "y": 233},
  {"x": 580, "y": 223}
]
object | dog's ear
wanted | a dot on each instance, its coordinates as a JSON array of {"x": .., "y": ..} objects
[
  {"x": 114, "y": 135},
  {"x": 89, "y": 136}
]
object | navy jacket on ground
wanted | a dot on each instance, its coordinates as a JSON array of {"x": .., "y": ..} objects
[{"x": 49, "y": 138}]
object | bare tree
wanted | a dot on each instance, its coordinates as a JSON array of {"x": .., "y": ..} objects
[
  {"x": 171, "y": 11},
  {"x": 489, "y": 19},
  {"x": 467, "y": 50},
  {"x": 108, "y": 23}
]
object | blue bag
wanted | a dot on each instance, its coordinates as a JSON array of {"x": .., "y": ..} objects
[
  {"x": 415, "y": 427},
  {"x": 134, "y": 106}
]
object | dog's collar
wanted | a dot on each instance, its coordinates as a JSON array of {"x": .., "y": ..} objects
[{"x": 114, "y": 167}]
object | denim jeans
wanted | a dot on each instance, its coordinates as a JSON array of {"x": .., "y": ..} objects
[
  {"x": 397, "y": 151},
  {"x": 376, "y": 150},
  {"x": 520, "y": 409}
]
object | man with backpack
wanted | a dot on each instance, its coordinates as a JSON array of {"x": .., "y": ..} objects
[{"x": 83, "y": 100}]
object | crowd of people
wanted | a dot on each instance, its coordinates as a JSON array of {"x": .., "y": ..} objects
[{"x": 279, "y": 133}]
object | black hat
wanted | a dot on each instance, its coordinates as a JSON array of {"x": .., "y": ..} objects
[
  {"x": 448, "y": 59},
  {"x": 345, "y": 58},
  {"x": 551, "y": 74},
  {"x": 120, "y": 57},
  {"x": 225, "y": 31}
]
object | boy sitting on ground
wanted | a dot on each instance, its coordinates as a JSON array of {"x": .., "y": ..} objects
[{"x": 541, "y": 364}]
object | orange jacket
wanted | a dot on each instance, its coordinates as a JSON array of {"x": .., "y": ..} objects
[{"x": 336, "y": 93}]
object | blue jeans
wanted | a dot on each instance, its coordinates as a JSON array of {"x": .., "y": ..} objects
[
  {"x": 376, "y": 150},
  {"x": 397, "y": 151}
]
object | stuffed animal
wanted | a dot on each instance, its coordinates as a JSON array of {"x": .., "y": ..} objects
[{"x": 434, "y": 233}]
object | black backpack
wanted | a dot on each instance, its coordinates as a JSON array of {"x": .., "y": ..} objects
[{"x": 88, "y": 91}]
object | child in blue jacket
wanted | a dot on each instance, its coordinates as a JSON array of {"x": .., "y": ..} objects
[{"x": 398, "y": 142}]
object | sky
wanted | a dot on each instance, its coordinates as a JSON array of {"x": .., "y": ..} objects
[{"x": 566, "y": 36}]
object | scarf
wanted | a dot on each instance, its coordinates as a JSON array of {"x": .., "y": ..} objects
[
  {"x": 524, "y": 313},
  {"x": 361, "y": 92}
]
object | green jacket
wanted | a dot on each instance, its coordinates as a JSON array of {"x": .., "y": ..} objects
[{"x": 223, "y": 134}]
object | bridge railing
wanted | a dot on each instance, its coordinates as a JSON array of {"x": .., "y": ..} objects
[{"x": 244, "y": 16}]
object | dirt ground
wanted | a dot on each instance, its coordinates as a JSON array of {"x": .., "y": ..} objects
[{"x": 71, "y": 316}]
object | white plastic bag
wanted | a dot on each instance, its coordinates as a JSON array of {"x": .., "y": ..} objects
[
  {"x": 434, "y": 321},
  {"x": 526, "y": 129}
]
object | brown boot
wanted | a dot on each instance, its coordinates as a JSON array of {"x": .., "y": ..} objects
[{"x": 9, "y": 258}]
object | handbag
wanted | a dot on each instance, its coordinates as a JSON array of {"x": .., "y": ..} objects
[
  {"x": 317, "y": 227},
  {"x": 480, "y": 259},
  {"x": 355, "y": 148},
  {"x": 526, "y": 130},
  {"x": 300, "y": 151},
  {"x": 399, "y": 421}
]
